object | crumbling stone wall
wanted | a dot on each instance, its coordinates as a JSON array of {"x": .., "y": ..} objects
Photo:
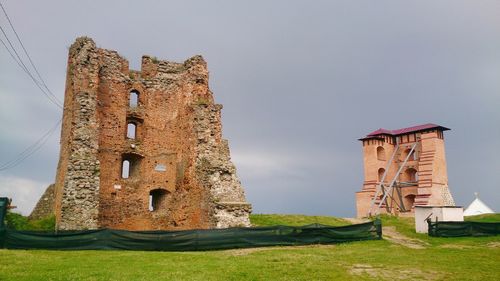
[
  {"x": 45, "y": 206},
  {"x": 216, "y": 171},
  {"x": 77, "y": 182},
  {"x": 180, "y": 175}
]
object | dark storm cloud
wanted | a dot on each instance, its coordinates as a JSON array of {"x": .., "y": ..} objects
[{"x": 300, "y": 82}]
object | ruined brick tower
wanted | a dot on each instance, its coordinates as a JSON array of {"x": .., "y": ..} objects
[
  {"x": 143, "y": 150},
  {"x": 408, "y": 165}
]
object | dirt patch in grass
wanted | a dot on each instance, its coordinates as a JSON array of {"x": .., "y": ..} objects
[
  {"x": 457, "y": 246},
  {"x": 393, "y": 273},
  {"x": 248, "y": 251},
  {"x": 356, "y": 220},
  {"x": 493, "y": 245},
  {"x": 360, "y": 269},
  {"x": 389, "y": 233}
]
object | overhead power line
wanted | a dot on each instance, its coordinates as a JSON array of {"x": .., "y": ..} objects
[
  {"x": 24, "y": 49},
  {"x": 12, "y": 55},
  {"x": 21, "y": 64},
  {"x": 30, "y": 150},
  {"x": 40, "y": 84}
]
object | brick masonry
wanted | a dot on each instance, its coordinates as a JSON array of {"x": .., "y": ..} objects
[
  {"x": 423, "y": 180},
  {"x": 180, "y": 175}
]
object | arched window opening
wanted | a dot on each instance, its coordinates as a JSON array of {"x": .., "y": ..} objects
[
  {"x": 412, "y": 156},
  {"x": 411, "y": 175},
  {"x": 125, "y": 169},
  {"x": 130, "y": 165},
  {"x": 381, "y": 172},
  {"x": 134, "y": 98},
  {"x": 380, "y": 153},
  {"x": 409, "y": 200},
  {"x": 157, "y": 199},
  {"x": 131, "y": 130}
]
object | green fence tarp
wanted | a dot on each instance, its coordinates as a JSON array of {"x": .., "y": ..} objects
[
  {"x": 4, "y": 201},
  {"x": 191, "y": 240},
  {"x": 463, "y": 228}
]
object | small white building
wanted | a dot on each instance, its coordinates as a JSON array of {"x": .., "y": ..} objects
[
  {"x": 477, "y": 207},
  {"x": 440, "y": 213}
]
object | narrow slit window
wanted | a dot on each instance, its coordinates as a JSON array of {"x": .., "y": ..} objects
[
  {"x": 131, "y": 130},
  {"x": 125, "y": 169},
  {"x": 134, "y": 99}
]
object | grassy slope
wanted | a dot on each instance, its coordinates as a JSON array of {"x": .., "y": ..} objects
[
  {"x": 295, "y": 220},
  {"x": 484, "y": 218},
  {"x": 444, "y": 259}
]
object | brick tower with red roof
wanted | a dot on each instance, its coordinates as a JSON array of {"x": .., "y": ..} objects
[{"x": 403, "y": 168}]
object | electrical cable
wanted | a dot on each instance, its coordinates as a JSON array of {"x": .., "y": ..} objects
[
  {"x": 33, "y": 148},
  {"x": 26, "y": 53},
  {"x": 30, "y": 150},
  {"x": 12, "y": 55},
  {"x": 21, "y": 64},
  {"x": 19, "y": 61}
]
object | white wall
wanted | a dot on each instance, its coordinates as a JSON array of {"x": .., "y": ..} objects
[{"x": 439, "y": 213}]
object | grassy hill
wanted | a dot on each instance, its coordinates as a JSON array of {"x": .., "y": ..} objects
[
  {"x": 484, "y": 218},
  {"x": 402, "y": 255},
  {"x": 295, "y": 220}
]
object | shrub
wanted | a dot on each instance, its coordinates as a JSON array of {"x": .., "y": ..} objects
[
  {"x": 19, "y": 222},
  {"x": 16, "y": 221}
]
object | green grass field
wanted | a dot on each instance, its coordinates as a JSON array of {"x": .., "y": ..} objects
[
  {"x": 484, "y": 218},
  {"x": 295, "y": 220},
  {"x": 395, "y": 258}
]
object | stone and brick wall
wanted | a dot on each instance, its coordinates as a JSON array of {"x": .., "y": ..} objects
[
  {"x": 429, "y": 185},
  {"x": 77, "y": 179},
  {"x": 45, "y": 206},
  {"x": 216, "y": 171},
  {"x": 180, "y": 174}
]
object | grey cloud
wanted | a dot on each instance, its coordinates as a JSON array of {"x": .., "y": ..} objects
[{"x": 300, "y": 82}]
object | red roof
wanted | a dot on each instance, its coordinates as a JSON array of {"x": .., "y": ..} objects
[{"x": 406, "y": 130}]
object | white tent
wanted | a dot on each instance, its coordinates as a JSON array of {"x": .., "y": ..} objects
[{"x": 477, "y": 207}]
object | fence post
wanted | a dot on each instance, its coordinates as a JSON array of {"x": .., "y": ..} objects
[
  {"x": 430, "y": 228},
  {"x": 378, "y": 226}
]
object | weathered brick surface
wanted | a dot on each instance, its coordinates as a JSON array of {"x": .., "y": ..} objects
[
  {"x": 178, "y": 150},
  {"x": 429, "y": 185}
]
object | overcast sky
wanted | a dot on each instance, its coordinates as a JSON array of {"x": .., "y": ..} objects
[{"x": 300, "y": 82}]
